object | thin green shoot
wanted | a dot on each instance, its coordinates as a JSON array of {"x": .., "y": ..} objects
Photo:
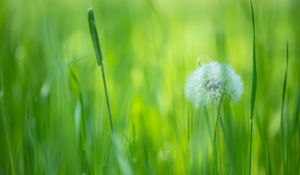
[
  {"x": 254, "y": 82},
  {"x": 95, "y": 39}
]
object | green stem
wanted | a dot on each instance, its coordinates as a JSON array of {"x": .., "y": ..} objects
[
  {"x": 95, "y": 39},
  {"x": 217, "y": 120},
  {"x": 218, "y": 116},
  {"x": 107, "y": 99},
  {"x": 215, "y": 153}
]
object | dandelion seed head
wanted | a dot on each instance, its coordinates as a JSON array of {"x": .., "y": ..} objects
[{"x": 207, "y": 84}]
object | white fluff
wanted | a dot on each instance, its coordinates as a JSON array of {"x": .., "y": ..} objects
[{"x": 207, "y": 84}]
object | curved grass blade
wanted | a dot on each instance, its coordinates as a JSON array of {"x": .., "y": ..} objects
[
  {"x": 254, "y": 85},
  {"x": 254, "y": 70},
  {"x": 86, "y": 166}
]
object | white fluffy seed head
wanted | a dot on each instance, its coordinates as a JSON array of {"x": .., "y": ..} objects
[{"x": 208, "y": 83}]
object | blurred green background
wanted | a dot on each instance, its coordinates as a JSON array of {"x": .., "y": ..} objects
[{"x": 52, "y": 104}]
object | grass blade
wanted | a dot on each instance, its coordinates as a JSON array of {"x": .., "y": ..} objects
[
  {"x": 254, "y": 71},
  {"x": 86, "y": 166},
  {"x": 282, "y": 110},
  {"x": 254, "y": 82}
]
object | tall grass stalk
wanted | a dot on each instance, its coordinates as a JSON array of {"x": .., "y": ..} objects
[
  {"x": 282, "y": 112},
  {"x": 95, "y": 39},
  {"x": 253, "y": 89}
]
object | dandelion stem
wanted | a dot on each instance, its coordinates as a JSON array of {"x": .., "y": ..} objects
[
  {"x": 217, "y": 120},
  {"x": 95, "y": 39},
  {"x": 215, "y": 153}
]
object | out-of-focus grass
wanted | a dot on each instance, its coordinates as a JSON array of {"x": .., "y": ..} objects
[
  {"x": 254, "y": 84},
  {"x": 52, "y": 104}
]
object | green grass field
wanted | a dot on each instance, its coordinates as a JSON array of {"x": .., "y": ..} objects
[{"x": 53, "y": 111}]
